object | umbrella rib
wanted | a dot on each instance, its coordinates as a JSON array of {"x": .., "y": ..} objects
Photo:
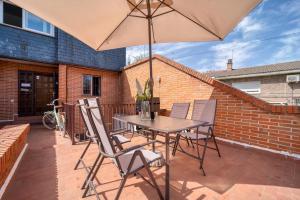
[
  {"x": 157, "y": 8},
  {"x": 138, "y": 16},
  {"x": 136, "y": 7},
  {"x": 119, "y": 24},
  {"x": 200, "y": 25},
  {"x": 163, "y": 13}
]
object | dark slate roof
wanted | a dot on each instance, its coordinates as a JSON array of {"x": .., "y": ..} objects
[{"x": 279, "y": 67}]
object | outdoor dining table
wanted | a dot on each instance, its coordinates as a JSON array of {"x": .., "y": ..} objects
[{"x": 165, "y": 126}]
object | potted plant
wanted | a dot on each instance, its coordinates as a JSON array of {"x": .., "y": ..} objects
[{"x": 143, "y": 101}]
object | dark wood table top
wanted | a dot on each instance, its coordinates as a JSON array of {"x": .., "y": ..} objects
[{"x": 161, "y": 123}]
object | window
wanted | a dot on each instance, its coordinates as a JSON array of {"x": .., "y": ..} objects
[
  {"x": 91, "y": 85},
  {"x": 1, "y": 11},
  {"x": 15, "y": 16},
  {"x": 252, "y": 87},
  {"x": 35, "y": 23},
  {"x": 12, "y": 15}
]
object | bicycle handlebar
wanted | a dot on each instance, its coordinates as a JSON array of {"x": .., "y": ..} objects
[{"x": 52, "y": 103}]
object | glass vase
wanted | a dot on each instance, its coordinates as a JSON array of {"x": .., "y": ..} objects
[{"x": 145, "y": 110}]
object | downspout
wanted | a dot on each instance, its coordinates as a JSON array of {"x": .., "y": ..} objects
[{"x": 66, "y": 83}]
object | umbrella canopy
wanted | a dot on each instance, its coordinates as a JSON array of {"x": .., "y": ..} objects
[{"x": 108, "y": 24}]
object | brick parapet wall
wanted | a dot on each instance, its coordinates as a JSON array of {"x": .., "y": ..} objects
[
  {"x": 240, "y": 117},
  {"x": 12, "y": 142}
]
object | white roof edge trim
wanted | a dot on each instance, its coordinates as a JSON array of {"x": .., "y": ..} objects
[{"x": 257, "y": 75}]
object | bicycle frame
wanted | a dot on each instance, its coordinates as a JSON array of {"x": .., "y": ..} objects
[{"x": 60, "y": 122}]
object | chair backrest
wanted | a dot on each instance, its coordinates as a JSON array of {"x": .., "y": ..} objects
[
  {"x": 204, "y": 110},
  {"x": 85, "y": 118},
  {"x": 180, "y": 110},
  {"x": 95, "y": 116}
]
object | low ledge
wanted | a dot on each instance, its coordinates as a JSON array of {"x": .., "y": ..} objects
[{"x": 12, "y": 142}]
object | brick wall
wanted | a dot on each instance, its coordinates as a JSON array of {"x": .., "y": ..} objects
[
  {"x": 239, "y": 117},
  {"x": 20, "y": 44},
  {"x": 73, "y": 51},
  {"x": 72, "y": 76},
  {"x": 12, "y": 142},
  {"x": 9, "y": 85}
]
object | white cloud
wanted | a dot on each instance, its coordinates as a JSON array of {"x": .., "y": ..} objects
[
  {"x": 239, "y": 51},
  {"x": 290, "y": 7},
  {"x": 289, "y": 48},
  {"x": 248, "y": 26},
  {"x": 171, "y": 50},
  {"x": 134, "y": 52}
]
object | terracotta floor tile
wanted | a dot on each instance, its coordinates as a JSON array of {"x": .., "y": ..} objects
[{"x": 46, "y": 172}]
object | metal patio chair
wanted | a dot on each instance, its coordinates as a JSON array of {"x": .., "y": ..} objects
[
  {"x": 119, "y": 139},
  {"x": 204, "y": 110},
  {"x": 129, "y": 161},
  {"x": 180, "y": 110}
]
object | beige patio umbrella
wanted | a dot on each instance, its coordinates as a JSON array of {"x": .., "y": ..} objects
[{"x": 108, "y": 24}]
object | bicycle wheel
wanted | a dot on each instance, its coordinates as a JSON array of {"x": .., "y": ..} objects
[
  {"x": 61, "y": 122},
  {"x": 49, "y": 121}
]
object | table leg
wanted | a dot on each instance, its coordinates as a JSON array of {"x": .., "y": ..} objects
[
  {"x": 167, "y": 187},
  {"x": 153, "y": 144}
]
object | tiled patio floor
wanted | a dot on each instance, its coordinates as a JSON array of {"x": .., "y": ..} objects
[{"x": 46, "y": 172}]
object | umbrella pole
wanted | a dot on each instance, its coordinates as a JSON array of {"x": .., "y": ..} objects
[{"x": 150, "y": 58}]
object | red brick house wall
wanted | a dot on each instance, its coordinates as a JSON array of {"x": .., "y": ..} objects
[
  {"x": 9, "y": 86},
  {"x": 240, "y": 117},
  {"x": 71, "y": 87}
]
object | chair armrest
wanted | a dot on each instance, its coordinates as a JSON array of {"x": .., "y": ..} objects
[
  {"x": 133, "y": 148},
  {"x": 118, "y": 132},
  {"x": 91, "y": 107},
  {"x": 207, "y": 124}
]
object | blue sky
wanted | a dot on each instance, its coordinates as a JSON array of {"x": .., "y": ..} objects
[{"x": 269, "y": 34}]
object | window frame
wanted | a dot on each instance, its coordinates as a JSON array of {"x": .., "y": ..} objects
[
  {"x": 92, "y": 85},
  {"x": 25, "y": 21},
  {"x": 24, "y": 17},
  {"x": 1, "y": 12},
  {"x": 249, "y": 91}
]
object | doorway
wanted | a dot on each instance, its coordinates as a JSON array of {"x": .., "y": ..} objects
[{"x": 36, "y": 90}]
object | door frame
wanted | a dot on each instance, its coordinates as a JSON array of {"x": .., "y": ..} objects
[{"x": 33, "y": 103}]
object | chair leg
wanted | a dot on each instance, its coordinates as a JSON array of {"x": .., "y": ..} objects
[
  {"x": 154, "y": 182},
  {"x": 121, "y": 187},
  {"x": 187, "y": 141},
  {"x": 92, "y": 177},
  {"x": 212, "y": 135},
  {"x": 192, "y": 143},
  {"x": 82, "y": 155},
  {"x": 175, "y": 144},
  {"x": 203, "y": 156},
  {"x": 91, "y": 171}
]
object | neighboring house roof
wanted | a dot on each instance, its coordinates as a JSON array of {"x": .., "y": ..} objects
[
  {"x": 265, "y": 70},
  {"x": 222, "y": 86}
]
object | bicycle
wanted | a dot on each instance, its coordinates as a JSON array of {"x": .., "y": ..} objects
[{"x": 54, "y": 119}]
